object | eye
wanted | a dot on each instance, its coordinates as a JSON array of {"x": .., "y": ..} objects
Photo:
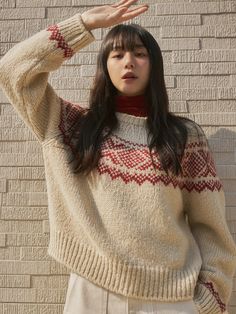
[
  {"x": 117, "y": 56},
  {"x": 141, "y": 54}
]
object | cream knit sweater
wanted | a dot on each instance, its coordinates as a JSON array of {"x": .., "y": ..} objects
[{"x": 123, "y": 227}]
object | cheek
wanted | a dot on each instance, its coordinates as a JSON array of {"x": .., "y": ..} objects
[{"x": 112, "y": 70}]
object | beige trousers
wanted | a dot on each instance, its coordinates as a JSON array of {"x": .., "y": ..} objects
[{"x": 84, "y": 297}]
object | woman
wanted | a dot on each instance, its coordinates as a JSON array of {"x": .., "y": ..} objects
[{"x": 136, "y": 209}]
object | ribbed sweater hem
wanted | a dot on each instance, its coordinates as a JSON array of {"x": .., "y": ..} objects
[{"x": 137, "y": 281}]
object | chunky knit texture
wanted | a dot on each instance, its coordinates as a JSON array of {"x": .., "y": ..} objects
[{"x": 125, "y": 227}]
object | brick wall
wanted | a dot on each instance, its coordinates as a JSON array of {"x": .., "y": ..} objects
[{"x": 198, "y": 42}]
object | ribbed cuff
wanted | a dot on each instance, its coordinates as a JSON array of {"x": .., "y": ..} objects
[
  {"x": 206, "y": 302},
  {"x": 71, "y": 35}
]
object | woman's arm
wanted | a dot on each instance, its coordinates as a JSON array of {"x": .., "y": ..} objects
[
  {"x": 24, "y": 70},
  {"x": 205, "y": 207}
]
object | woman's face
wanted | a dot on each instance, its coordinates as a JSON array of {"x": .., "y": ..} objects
[{"x": 119, "y": 62}]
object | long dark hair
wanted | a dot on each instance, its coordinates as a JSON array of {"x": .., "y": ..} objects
[{"x": 167, "y": 133}]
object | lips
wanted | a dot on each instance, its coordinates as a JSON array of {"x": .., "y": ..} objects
[{"x": 129, "y": 75}]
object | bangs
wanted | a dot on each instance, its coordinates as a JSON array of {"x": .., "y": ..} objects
[{"x": 123, "y": 37}]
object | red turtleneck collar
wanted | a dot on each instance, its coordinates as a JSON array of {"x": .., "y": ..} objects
[{"x": 134, "y": 105}]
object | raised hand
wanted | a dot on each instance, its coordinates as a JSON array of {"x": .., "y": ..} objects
[{"x": 108, "y": 15}]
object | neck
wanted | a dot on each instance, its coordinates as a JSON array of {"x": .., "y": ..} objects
[{"x": 133, "y": 105}]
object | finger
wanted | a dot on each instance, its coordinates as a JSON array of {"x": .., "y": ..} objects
[
  {"x": 137, "y": 7},
  {"x": 119, "y": 3},
  {"x": 133, "y": 13},
  {"x": 125, "y": 3}
]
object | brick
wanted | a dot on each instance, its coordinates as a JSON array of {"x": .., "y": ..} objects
[
  {"x": 212, "y": 105},
  {"x": 25, "y": 267},
  {"x": 15, "y": 281},
  {"x": 228, "y": 132},
  {"x": 23, "y": 173},
  {"x": 24, "y": 13},
  {"x": 24, "y": 213},
  {"x": 14, "y": 308},
  {"x": 230, "y": 185},
  {"x": 204, "y": 56},
  {"x": 27, "y": 186},
  {"x": 193, "y": 94},
  {"x": 182, "y": 69},
  {"x": 25, "y": 199},
  {"x": 62, "y": 13},
  {"x": 169, "y": 20},
  {"x": 218, "y": 68},
  {"x": 13, "y": 35},
  {"x": 187, "y": 8},
  {"x": 233, "y": 299},
  {"x": 32, "y": 295},
  {"x": 170, "y": 81},
  {"x": 72, "y": 83},
  {"x": 10, "y": 253},
  {"x": 227, "y": 93},
  {"x": 20, "y": 226},
  {"x": 179, "y": 44},
  {"x": 227, "y": 6},
  {"x": 227, "y": 172},
  {"x": 218, "y": 146},
  {"x": 18, "y": 134},
  {"x": 43, "y": 3},
  {"x": 231, "y": 201},
  {"x": 218, "y": 43},
  {"x": 36, "y": 25},
  {"x": 232, "y": 226},
  {"x": 21, "y": 147},
  {"x": 4, "y": 47},
  {"x": 46, "y": 226},
  {"x": 219, "y": 19},
  {"x": 178, "y": 106},
  {"x": 88, "y": 70},
  {"x": 11, "y": 121},
  {"x": 83, "y": 58},
  {"x": 75, "y": 96},
  {"x": 225, "y": 31},
  {"x": 202, "y": 81},
  {"x": 231, "y": 213},
  {"x": 27, "y": 239},
  {"x": 7, "y": 109},
  {"x": 11, "y": 24},
  {"x": 233, "y": 80},
  {"x": 66, "y": 71},
  {"x": 50, "y": 282},
  {"x": 21, "y": 160},
  {"x": 188, "y": 31},
  {"x": 3, "y": 185},
  {"x": 7, "y": 3},
  {"x": 34, "y": 254},
  {"x": 3, "y": 239},
  {"x": 207, "y": 119},
  {"x": 218, "y": 119},
  {"x": 223, "y": 158}
]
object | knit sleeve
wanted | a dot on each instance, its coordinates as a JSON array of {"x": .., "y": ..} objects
[
  {"x": 204, "y": 203},
  {"x": 25, "y": 68}
]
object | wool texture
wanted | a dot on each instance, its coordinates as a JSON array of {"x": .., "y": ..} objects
[{"x": 126, "y": 227}]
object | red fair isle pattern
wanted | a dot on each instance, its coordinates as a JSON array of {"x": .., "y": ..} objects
[
  {"x": 131, "y": 162},
  {"x": 61, "y": 43},
  {"x": 209, "y": 285}
]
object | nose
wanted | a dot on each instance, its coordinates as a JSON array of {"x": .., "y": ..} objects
[{"x": 129, "y": 59}]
